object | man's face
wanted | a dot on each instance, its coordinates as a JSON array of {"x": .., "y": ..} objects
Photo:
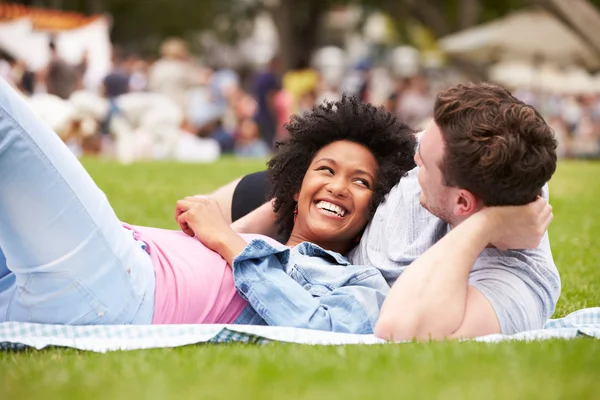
[{"x": 435, "y": 196}]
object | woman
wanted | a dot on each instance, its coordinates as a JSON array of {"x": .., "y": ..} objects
[{"x": 67, "y": 259}]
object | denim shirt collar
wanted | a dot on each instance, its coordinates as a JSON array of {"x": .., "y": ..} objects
[{"x": 313, "y": 250}]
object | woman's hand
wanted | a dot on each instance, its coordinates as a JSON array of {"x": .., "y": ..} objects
[
  {"x": 183, "y": 225},
  {"x": 202, "y": 217},
  {"x": 519, "y": 227}
]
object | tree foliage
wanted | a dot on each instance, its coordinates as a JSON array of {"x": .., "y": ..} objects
[{"x": 145, "y": 23}]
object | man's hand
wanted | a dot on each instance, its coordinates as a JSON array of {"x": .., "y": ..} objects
[
  {"x": 519, "y": 227},
  {"x": 202, "y": 217}
]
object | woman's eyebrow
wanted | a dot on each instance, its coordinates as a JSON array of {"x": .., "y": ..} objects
[
  {"x": 363, "y": 172},
  {"x": 330, "y": 160},
  {"x": 356, "y": 171}
]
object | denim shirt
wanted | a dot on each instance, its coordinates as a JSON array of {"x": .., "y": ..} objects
[{"x": 307, "y": 287}]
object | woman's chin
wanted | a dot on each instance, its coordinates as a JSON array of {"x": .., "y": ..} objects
[{"x": 328, "y": 234}]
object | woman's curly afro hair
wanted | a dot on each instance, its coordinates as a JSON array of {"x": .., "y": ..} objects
[{"x": 389, "y": 140}]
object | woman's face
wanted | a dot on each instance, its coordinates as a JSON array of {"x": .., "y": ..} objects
[{"x": 334, "y": 197}]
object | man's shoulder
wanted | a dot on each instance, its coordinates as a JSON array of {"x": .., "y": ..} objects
[{"x": 538, "y": 260}]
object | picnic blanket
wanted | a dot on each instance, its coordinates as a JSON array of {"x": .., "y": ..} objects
[{"x": 103, "y": 338}]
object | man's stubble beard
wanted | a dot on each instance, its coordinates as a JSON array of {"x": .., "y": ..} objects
[{"x": 435, "y": 211}]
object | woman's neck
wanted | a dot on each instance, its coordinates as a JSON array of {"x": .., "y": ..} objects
[{"x": 339, "y": 247}]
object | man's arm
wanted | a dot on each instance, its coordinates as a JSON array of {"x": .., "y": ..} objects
[
  {"x": 224, "y": 196},
  {"x": 262, "y": 221},
  {"x": 432, "y": 299},
  {"x": 252, "y": 192},
  {"x": 241, "y": 196}
]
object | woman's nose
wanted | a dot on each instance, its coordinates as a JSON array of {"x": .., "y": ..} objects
[{"x": 338, "y": 187}]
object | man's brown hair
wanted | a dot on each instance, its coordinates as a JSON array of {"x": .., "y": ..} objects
[{"x": 495, "y": 146}]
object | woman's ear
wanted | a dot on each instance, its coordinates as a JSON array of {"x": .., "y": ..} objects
[{"x": 296, "y": 196}]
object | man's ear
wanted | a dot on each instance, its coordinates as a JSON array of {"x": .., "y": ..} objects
[{"x": 466, "y": 203}]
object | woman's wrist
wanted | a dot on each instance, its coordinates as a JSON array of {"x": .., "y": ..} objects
[{"x": 229, "y": 245}]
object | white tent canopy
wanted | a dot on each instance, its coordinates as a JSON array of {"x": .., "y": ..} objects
[
  {"x": 525, "y": 35},
  {"x": 546, "y": 78},
  {"x": 19, "y": 39}
]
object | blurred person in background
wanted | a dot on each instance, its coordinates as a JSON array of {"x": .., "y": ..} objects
[
  {"x": 61, "y": 78},
  {"x": 17, "y": 73},
  {"x": 138, "y": 80},
  {"x": 284, "y": 104},
  {"x": 116, "y": 83},
  {"x": 81, "y": 70},
  {"x": 416, "y": 104},
  {"x": 24, "y": 77},
  {"x": 248, "y": 141},
  {"x": 266, "y": 84},
  {"x": 299, "y": 81},
  {"x": 212, "y": 110},
  {"x": 173, "y": 74},
  {"x": 356, "y": 81},
  {"x": 6, "y": 67},
  {"x": 586, "y": 137},
  {"x": 395, "y": 97}
]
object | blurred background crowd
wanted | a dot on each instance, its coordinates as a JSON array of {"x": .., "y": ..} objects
[{"x": 192, "y": 80}]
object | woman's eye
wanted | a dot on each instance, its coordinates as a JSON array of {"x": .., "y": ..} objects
[
  {"x": 364, "y": 182},
  {"x": 325, "y": 169}
]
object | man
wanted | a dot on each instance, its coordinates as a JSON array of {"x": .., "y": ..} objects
[
  {"x": 433, "y": 239},
  {"x": 173, "y": 74},
  {"x": 266, "y": 84},
  {"x": 60, "y": 77},
  {"x": 116, "y": 82}
]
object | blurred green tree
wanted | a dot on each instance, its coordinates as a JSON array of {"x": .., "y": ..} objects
[{"x": 143, "y": 24}]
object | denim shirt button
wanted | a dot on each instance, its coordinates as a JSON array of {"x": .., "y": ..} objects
[{"x": 244, "y": 288}]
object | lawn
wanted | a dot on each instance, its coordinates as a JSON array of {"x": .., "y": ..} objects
[{"x": 146, "y": 193}]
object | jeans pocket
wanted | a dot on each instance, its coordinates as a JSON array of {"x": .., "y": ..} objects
[{"x": 58, "y": 298}]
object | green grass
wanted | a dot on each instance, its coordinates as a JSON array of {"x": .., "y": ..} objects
[{"x": 145, "y": 194}]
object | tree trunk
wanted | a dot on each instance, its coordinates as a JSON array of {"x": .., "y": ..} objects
[
  {"x": 430, "y": 15},
  {"x": 297, "y": 27},
  {"x": 96, "y": 6},
  {"x": 56, "y": 4},
  {"x": 469, "y": 11}
]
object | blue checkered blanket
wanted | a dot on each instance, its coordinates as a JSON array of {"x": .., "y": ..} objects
[{"x": 18, "y": 335}]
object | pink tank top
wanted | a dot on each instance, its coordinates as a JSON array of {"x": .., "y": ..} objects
[{"x": 194, "y": 285}]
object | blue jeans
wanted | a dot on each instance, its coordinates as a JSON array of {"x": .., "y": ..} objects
[{"x": 64, "y": 256}]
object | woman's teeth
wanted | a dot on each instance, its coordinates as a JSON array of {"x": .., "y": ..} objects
[{"x": 325, "y": 205}]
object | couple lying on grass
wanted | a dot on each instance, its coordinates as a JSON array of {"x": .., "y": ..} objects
[{"x": 355, "y": 213}]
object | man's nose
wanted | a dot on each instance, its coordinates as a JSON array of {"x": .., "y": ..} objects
[{"x": 417, "y": 159}]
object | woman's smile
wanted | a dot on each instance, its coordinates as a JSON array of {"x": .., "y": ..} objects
[{"x": 331, "y": 209}]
